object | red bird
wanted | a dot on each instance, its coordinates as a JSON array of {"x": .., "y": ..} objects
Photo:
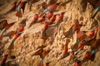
[
  {"x": 52, "y": 19},
  {"x": 49, "y": 15},
  {"x": 80, "y": 46},
  {"x": 45, "y": 27},
  {"x": 65, "y": 51},
  {"x": 42, "y": 53},
  {"x": 77, "y": 63},
  {"x": 4, "y": 60},
  {"x": 42, "y": 19},
  {"x": 94, "y": 43},
  {"x": 72, "y": 56},
  {"x": 93, "y": 55},
  {"x": 71, "y": 31},
  {"x": 60, "y": 17},
  {"x": 35, "y": 19},
  {"x": 49, "y": 7},
  {"x": 21, "y": 5},
  {"x": 47, "y": 64},
  {"x": 92, "y": 34},
  {"x": 87, "y": 56},
  {"x": 6, "y": 28},
  {"x": 21, "y": 28}
]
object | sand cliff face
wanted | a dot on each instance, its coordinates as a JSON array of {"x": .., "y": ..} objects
[{"x": 28, "y": 42}]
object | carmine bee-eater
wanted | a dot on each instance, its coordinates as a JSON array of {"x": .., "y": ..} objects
[
  {"x": 93, "y": 55},
  {"x": 80, "y": 36},
  {"x": 21, "y": 5},
  {"x": 72, "y": 56},
  {"x": 47, "y": 64},
  {"x": 4, "y": 60},
  {"x": 52, "y": 19},
  {"x": 50, "y": 8},
  {"x": 45, "y": 27},
  {"x": 49, "y": 15},
  {"x": 6, "y": 28},
  {"x": 42, "y": 19},
  {"x": 98, "y": 9},
  {"x": 87, "y": 56},
  {"x": 42, "y": 53},
  {"x": 35, "y": 19},
  {"x": 13, "y": 40},
  {"x": 92, "y": 34},
  {"x": 80, "y": 46},
  {"x": 94, "y": 43},
  {"x": 77, "y": 63},
  {"x": 60, "y": 17},
  {"x": 65, "y": 51},
  {"x": 72, "y": 30}
]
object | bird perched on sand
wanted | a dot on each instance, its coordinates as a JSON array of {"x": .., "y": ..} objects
[
  {"x": 4, "y": 60},
  {"x": 71, "y": 31},
  {"x": 93, "y": 55},
  {"x": 65, "y": 51},
  {"x": 13, "y": 39},
  {"x": 49, "y": 15},
  {"x": 80, "y": 36},
  {"x": 35, "y": 19},
  {"x": 50, "y": 7},
  {"x": 59, "y": 20},
  {"x": 97, "y": 10},
  {"x": 52, "y": 19},
  {"x": 94, "y": 43},
  {"x": 42, "y": 53},
  {"x": 77, "y": 63},
  {"x": 47, "y": 64},
  {"x": 6, "y": 28},
  {"x": 42, "y": 19},
  {"x": 92, "y": 34},
  {"x": 87, "y": 56},
  {"x": 21, "y": 5}
]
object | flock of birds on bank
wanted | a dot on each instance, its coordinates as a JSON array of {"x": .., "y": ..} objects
[{"x": 82, "y": 38}]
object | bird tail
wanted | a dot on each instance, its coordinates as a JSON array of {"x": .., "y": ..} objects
[
  {"x": 19, "y": 14},
  {"x": 41, "y": 14},
  {"x": 1, "y": 37}
]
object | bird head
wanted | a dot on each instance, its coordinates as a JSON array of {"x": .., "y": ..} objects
[
  {"x": 77, "y": 61},
  {"x": 92, "y": 30},
  {"x": 47, "y": 63},
  {"x": 6, "y": 55},
  {"x": 43, "y": 16},
  {"x": 48, "y": 50},
  {"x": 94, "y": 51},
  {"x": 62, "y": 12},
  {"x": 84, "y": 31},
  {"x": 87, "y": 52},
  {"x": 46, "y": 22},
  {"x": 83, "y": 41},
  {"x": 55, "y": 15},
  {"x": 15, "y": 2},
  {"x": 72, "y": 51},
  {"x": 36, "y": 14},
  {"x": 97, "y": 26},
  {"x": 57, "y": 3},
  {"x": 51, "y": 11}
]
